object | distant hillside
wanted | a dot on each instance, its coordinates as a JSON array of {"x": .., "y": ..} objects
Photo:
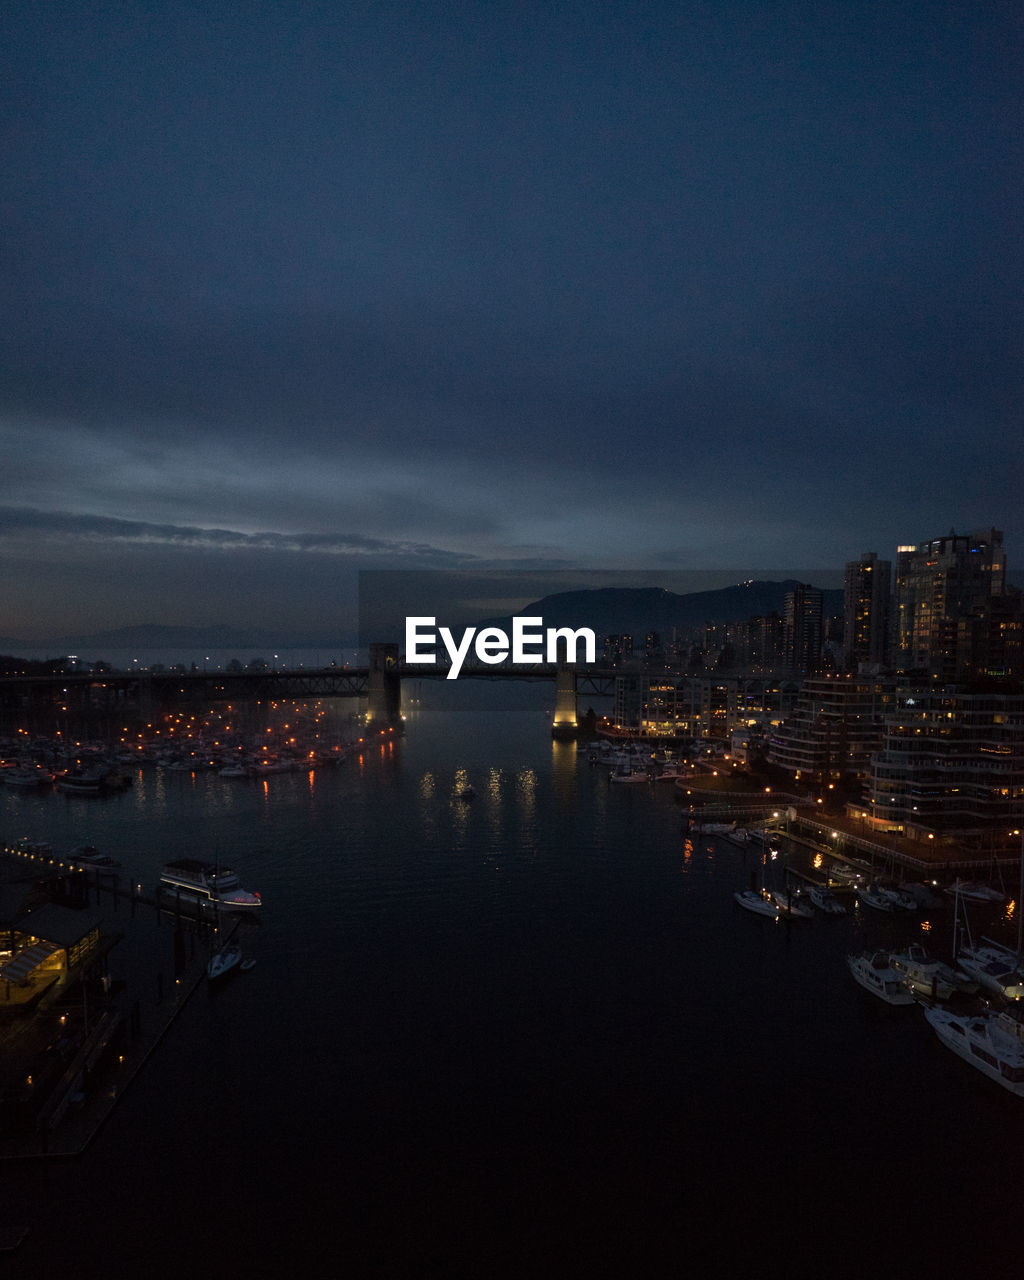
[{"x": 635, "y": 611}]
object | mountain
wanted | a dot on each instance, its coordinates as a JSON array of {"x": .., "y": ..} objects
[{"x": 635, "y": 611}]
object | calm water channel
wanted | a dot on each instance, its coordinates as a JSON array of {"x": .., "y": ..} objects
[{"x": 531, "y": 1034}]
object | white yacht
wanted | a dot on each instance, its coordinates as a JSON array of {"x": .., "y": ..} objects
[
  {"x": 926, "y": 974},
  {"x": 875, "y": 973},
  {"x": 825, "y": 900},
  {"x": 191, "y": 880},
  {"x": 986, "y": 1041}
]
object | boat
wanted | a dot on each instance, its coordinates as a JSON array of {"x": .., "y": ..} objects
[
  {"x": 986, "y": 1042},
  {"x": 246, "y": 965},
  {"x": 927, "y": 974},
  {"x": 900, "y": 898},
  {"x": 848, "y": 872},
  {"x": 922, "y": 894},
  {"x": 757, "y": 901},
  {"x": 671, "y": 773},
  {"x": 792, "y": 904},
  {"x": 875, "y": 973},
  {"x": 89, "y": 858},
  {"x": 75, "y": 782},
  {"x": 637, "y": 775},
  {"x": 740, "y": 836},
  {"x": 26, "y": 777},
  {"x": 714, "y": 828},
  {"x": 825, "y": 900},
  {"x": 874, "y": 896},
  {"x": 223, "y": 960},
  {"x": 190, "y": 880},
  {"x": 996, "y": 967},
  {"x": 975, "y": 891}
]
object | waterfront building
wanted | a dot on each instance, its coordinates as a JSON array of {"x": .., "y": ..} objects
[
  {"x": 700, "y": 707},
  {"x": 950, "y": 766},
  {"x": 940, "y": 585},
  {"x": 836, "y": 724},
  {"x": 866, "y": 606},
  {"x": 44, "y": 946}
]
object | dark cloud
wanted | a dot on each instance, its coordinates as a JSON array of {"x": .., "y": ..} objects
[
  {"x": 56, "y": 526},
  {"x": 655, "y": 284}
]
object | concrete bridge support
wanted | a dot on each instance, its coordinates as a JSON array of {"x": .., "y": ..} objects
[
  {"x": 384, "y": 688},
  {"x": 565, "y": 723}
]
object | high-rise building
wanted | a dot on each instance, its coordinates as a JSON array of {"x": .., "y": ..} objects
[
  {"x": 802, "y": 630},
  {"x": 866, "y": 611},
  {"x": 939, "y": 585}
]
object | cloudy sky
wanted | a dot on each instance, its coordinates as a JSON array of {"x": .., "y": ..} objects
[{"x": 295, "y": 289}]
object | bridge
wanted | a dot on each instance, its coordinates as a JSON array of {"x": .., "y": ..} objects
[{"x": 118, "y": 693}]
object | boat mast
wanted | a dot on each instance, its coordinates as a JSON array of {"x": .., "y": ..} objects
[{"x": 1020, "y": 899}]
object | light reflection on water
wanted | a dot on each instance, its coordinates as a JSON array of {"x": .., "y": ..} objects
[{"x": 543, "y": 998}]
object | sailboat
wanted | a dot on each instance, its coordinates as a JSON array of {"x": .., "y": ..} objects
[
  {"x": 757, "y": 898},
  {"x": 793, "y": 903},
  {"x": 995, "y": 966},
  {"x": 224, "y": 959}
]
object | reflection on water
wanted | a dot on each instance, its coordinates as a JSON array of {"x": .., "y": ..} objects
[{"x": 529, "y": 1033}]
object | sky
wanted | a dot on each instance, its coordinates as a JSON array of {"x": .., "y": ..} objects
[{"x": 294, "y": 290}]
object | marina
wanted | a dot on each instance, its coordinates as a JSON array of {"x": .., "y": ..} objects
[{"x": 542, "y": 998}]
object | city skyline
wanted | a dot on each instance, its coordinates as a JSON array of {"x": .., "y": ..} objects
[{"x": 294, "y": 292}]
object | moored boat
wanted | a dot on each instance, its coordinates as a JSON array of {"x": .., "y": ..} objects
[
  {"x": 875, "y": 973},
  {"x": 985, "y": 1042},
  {"x": 873, "y": 896},
  {"x": 740, "y": 836},
  {"x": 996, "y": 967},
  {"x": 26, "y": 777},
  {"x": 825, "y": 900},
  {"x": 900, "y": 898},
  {"x": 75, "y": 782},
  {"x": 89, "y": 858},
  {"x": 191, "y": 880},
  {"x": 224, "y": 960},
  {"x": 758, "y": 902},
  {"x": 976, "y": 891},
  {"x": 793, "y": 904},
  {"x": 927, "y": 974}
]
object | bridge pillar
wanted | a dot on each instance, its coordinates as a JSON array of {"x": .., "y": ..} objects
[
  {"x": 384, "y": 688},
  {"x": 565, "y": 724}
]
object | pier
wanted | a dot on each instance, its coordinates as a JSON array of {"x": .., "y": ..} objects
[{"x": 167, "y": 953}]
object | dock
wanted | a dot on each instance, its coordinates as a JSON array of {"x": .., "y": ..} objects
[{"x": 159, "y": 960}]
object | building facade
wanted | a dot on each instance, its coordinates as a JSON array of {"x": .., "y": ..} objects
[
  {"x": 866, "y": 600},
  {"x": 950, "y": 767},
  {"x": 802, "y": 629},
  {"x": 836, "y": 725},
  {"x": 941, "y": 586}
]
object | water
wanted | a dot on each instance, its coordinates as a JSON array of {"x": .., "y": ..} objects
[{"x": 530, "y": 1034}]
